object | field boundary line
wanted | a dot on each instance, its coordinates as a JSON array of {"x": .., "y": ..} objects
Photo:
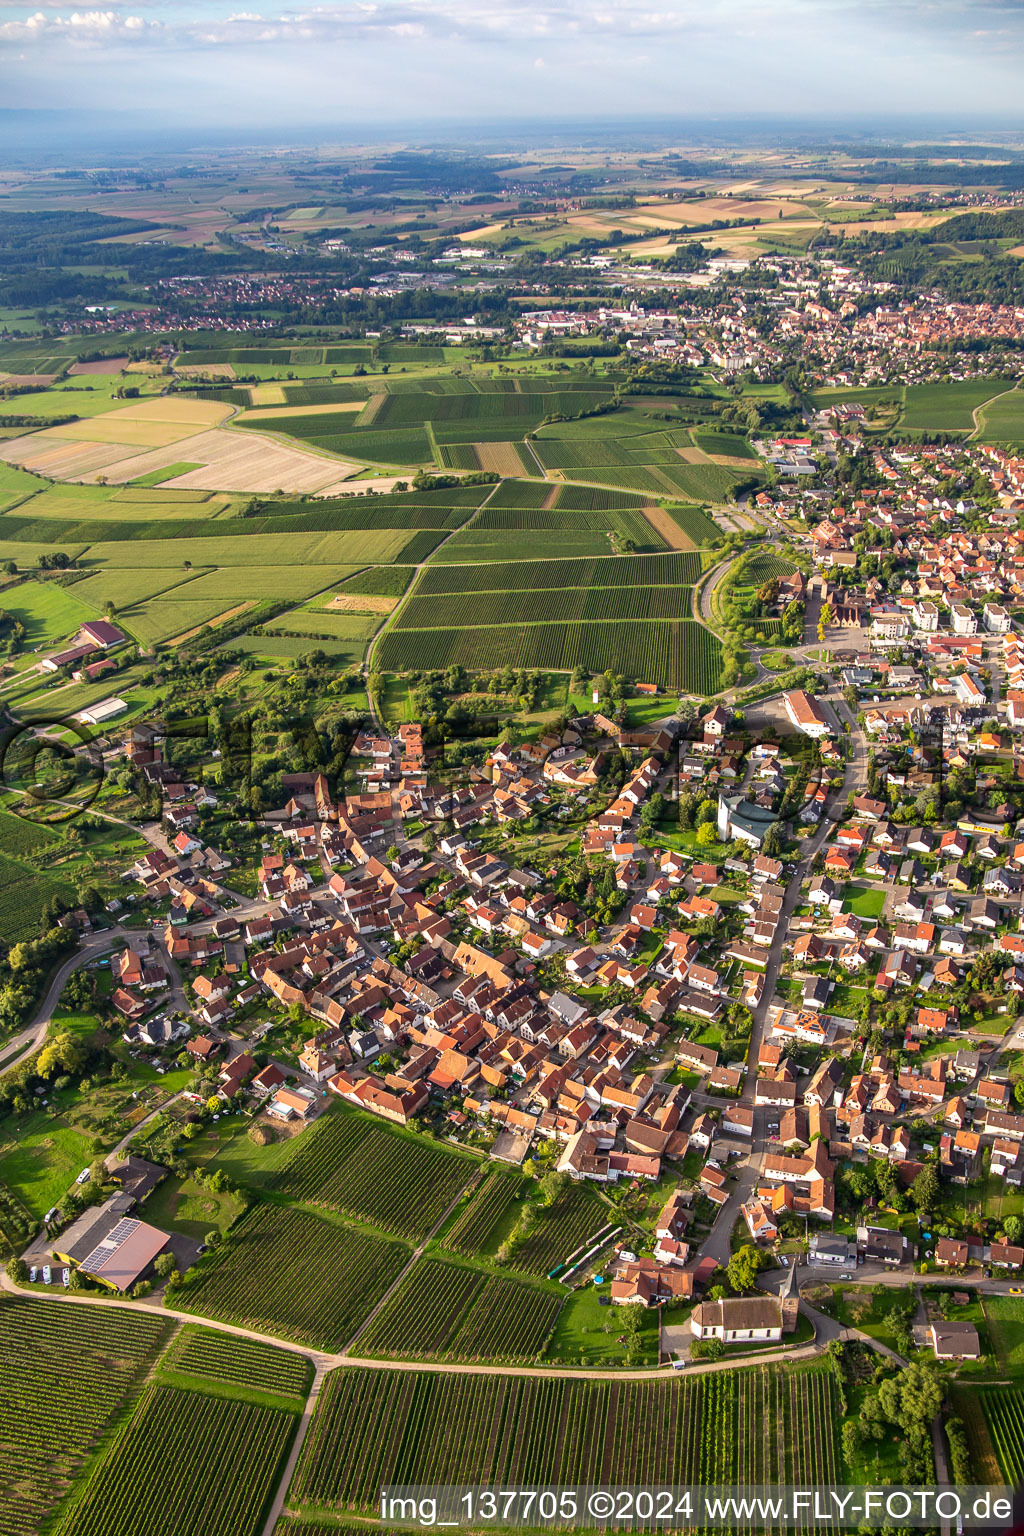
[
  {"x": 284, "y": 1482},
  {"x": 329, "y": 1361},
  {"x": 391, "y": 618},
  {"x": 435, "y": 448},
  {"x": 535, "y": 457},
  {"x": 1013, "y": 390},
  {"x": 417, "y": 1253}
]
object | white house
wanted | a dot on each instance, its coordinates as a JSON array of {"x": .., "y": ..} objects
[
  {"x": 738, "y": 1317},
  {"x": 968, "y": 691},
  {"x": 805, "y": 713}
]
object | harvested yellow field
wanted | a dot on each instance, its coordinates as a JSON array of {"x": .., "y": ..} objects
[
  {"x": 662, "y": 247},
  {"x": 369, "y": 410},
  {"x": 106, "y": 365},
  {"x": 222, "y": 618},
  {"x": 206, "y": 370},
  {"x": 483, "y": 233},
  {"x": 499, "y": 458},
  {"x": 266, "y": 394},
  {"x": 245, "y": 462},
  {"x": 271, "y": 413},
  {"x": 175, "y": 408},
  {"x": 359, "y": 487},
  {"x": 669, "y": 529},
  {"x": 44, "y": 453},
  {"x": 896, "y": 221},
  {"x": 238, "y": 461},
  {"x": 703, "y": 210},
  {"x": 693, "y": 455},
  {"x": 150, "y": 424},
  {"x": 134, "y": 434},
  {"x": 356, "y": 602}
]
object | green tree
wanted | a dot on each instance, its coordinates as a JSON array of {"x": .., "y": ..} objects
[
  {"x": 925, "y": 1188},
  {"x": 774, "y": 840},
  {"x": 745, "y": 1266},
  {"x": 65, "y": 1053}
]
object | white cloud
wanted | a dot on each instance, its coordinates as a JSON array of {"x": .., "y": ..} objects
[
  {"x": 329, "y": 61},
  {"x": 79, "y": 26}
]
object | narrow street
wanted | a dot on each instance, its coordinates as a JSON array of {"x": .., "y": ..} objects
[{"x": 717, "y": 1243}]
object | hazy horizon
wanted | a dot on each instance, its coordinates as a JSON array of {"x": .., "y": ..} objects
[{"x": 78, "y": 133}]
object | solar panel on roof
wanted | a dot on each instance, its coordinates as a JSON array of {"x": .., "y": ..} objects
[{"x": 110, "y": 1244}]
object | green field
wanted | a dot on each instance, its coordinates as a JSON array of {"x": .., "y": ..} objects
[
  {"x": 444, "y": 1311},
  {"x": 169, "y": 472},
  {"x": 375, "y": 1429},
  {"x": 384, "y": 581},
  {"x": 697, "y": 524},
  {"x": 15, "y": 485},
  {"x": 630, "y": 614},
  {"x": 288, "y": 647},
  {"x": 948, "y": 407},
  {"x": 624, "y": 524},
  {"x": 50, "y": 613},
  {"x": 564, "y": 604},
  {"x": 43, "y": 1164},
  {"x": 231, "y": 1362},
  {"x": 486, "y": 1215},
  {"x": 68, "y": 1373},
  {"x": 288, "y": 1273},
  {"x": 24, "y": 891},
  {"x": 559, "y": 1229},
  {"x": 358, "y": 1167},
  {"x": 760, "y": 568},
  {"x": 727, "y": 445},
  {"x": 1003, "y": 1408},
  {"x": 679, "y": 654},
  {"x": 1005, "y": 1318},
  {"x": 186, "y": 1462},
  {"x": 471, "y": 546},
  {"x": 265, "y": 551},
  {"x": 678, "y": 568},
  {"x": 353, "y": 628},
  {"x": 1003, "y": 420}
]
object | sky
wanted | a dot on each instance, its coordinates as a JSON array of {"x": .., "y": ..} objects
[{"x": 355, "y": 63}]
